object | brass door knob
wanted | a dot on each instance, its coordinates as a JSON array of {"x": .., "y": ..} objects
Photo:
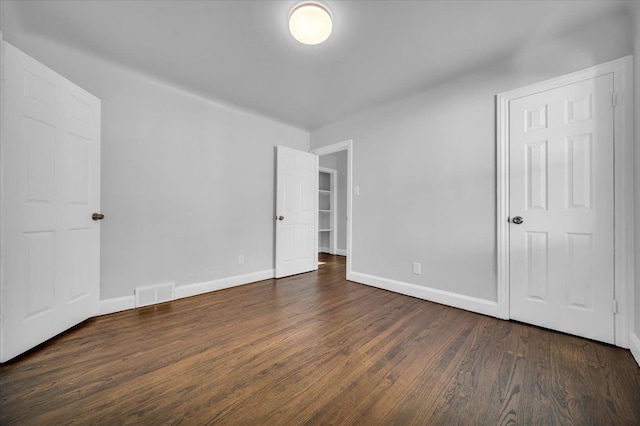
[{"x": 97, "y": 216}]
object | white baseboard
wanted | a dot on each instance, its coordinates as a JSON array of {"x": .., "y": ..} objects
[
  {"x": 207, "y": 286},
  {"x": 468, "y": 303},
  {"x": 117, "y": 304},
  {"x": 324, "y": 250},
  {"x": 634, "y": 345},
  {"x": 341, "y": 252}
]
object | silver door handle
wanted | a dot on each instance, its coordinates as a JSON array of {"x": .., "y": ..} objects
[{"x": 518, "y": 220}]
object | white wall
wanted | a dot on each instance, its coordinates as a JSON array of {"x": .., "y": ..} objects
[
  {"x": 426, "y": 164},
  {"x": 338, "y": 162},
  {"x": 328, "y": 161},
  {"x": 342, "y": 162},
  {"x": 637, "y": 169},
  {"x": 187, "y": 184}
]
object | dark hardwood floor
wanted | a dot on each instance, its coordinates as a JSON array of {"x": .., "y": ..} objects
[{"x": 316, "y": 349}]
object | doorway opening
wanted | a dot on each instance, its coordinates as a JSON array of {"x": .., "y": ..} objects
[{"x": 334, "y": 205}]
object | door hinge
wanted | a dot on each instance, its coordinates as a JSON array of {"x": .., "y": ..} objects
[
  {"x": 614, "y": 99},
  {"x": 614, "y": 307}
]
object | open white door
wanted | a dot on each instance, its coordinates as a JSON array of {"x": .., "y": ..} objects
[
  {"x": 562, "y": 208},
  {"x": 296, "y": 197},
  {"x": 50, "y": 245}
]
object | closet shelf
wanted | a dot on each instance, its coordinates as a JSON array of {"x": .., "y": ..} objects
[{"x": 327, "y": 192}]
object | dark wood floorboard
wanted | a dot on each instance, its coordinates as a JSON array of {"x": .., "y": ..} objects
[{"x": 316, "y": 349}]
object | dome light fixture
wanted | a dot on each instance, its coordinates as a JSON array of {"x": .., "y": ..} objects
[{"x": 310, "y": 23}]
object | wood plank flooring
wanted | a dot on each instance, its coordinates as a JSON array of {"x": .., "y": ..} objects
[{"x": 316, "y": 349}]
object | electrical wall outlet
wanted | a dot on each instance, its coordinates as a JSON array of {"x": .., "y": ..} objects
[
  {"x": 241, "y": 259},
  {"x": 417, "y": 268}
]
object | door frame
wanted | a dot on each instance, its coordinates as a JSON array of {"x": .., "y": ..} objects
[
  {"x": 2, "y": 182},
  {"x": 622, "y": 70},
  {"x": 346, "y": 145}
]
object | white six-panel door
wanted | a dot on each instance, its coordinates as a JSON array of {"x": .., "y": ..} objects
[
  {"x": 296, "y": 212},
  {"x": 561, "y": 186},
  {"x": 51, "y": 187}
]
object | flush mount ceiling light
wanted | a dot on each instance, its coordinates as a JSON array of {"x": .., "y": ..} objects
[{"x": 310, "y": 23}]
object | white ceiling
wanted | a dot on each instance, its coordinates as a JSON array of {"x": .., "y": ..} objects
[{"x": 241, "y": 52}]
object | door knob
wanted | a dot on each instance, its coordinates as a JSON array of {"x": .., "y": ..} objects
[
  {"x": 518, "y": 220},
  {"x": 97, "y": 216},
  {"x": 280, "y": 217}
]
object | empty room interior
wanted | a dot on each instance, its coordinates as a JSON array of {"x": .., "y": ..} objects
[{"x": 320, "y": 212}]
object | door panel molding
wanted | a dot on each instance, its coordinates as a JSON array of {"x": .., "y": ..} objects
[{"x": 622, "y": 70}]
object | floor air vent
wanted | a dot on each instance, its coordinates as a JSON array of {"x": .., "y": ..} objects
[{"x": 152, "y": 294}]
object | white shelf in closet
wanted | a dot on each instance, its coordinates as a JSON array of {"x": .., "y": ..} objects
[{"x": 326, "y": 210}]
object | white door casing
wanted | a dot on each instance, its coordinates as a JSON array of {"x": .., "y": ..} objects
[
  {"x": 618, "y": 101},
  {"x": 296, "y": 211},
  {"x": 50, "y": 150},
  {"x": 561, "y": 185}
]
